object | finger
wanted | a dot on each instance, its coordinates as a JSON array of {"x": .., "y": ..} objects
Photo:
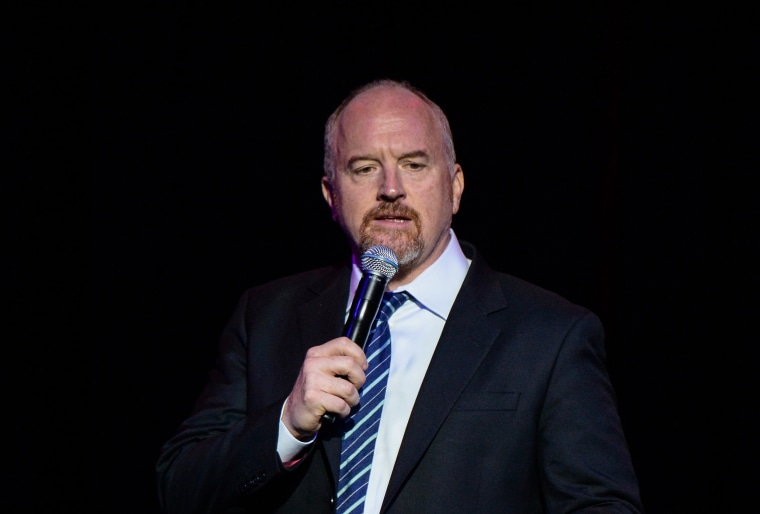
[
  {"x": 328, "y": 382},
  {"x": 340, "y": 346}
]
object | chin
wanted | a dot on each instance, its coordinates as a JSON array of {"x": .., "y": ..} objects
[{"x": 406, "y": 248}]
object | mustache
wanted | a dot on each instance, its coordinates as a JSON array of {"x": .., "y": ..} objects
[{"x": 393, "y": 210}]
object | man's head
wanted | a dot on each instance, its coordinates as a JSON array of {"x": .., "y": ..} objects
[{"x": 391, "y": 176}]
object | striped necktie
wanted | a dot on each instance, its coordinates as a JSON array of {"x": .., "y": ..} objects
[{"x": 361, "y": 426}]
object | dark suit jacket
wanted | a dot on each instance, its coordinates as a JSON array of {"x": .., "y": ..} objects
[{"x": 516, "y": 412}]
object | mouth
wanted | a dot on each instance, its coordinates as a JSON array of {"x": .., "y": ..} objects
[{"x": 392, "y": 218}]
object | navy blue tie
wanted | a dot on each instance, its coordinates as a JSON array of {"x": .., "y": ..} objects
[{"x": 361, "y": 426}]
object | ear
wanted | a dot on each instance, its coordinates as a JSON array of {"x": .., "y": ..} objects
[
  {"x": 457, "y": 187},
  {"x": 327, "y": 190},
  {"x": 327, "y": 193}
]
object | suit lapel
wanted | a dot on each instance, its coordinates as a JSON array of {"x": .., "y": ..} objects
[{"x": 464, "y": 342}]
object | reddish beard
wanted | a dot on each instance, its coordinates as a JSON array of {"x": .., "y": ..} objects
[{"x": 405, "y": 242}]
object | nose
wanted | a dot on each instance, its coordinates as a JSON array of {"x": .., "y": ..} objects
[{"x": 391, "y": 187}]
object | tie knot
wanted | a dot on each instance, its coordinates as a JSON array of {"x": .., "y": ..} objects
[{"x": 391, "y": 303}]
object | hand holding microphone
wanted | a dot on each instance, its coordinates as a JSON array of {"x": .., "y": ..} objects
[{"x": 379, "y": 265}]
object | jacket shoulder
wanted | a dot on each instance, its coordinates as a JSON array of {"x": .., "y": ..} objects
[{"x": 499, "y": 288}]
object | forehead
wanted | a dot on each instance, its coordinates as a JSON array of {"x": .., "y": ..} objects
[{"x": 387, "y": 111}]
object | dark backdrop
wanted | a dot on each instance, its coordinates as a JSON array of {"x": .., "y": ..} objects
[{"x": 601, "y": 150}]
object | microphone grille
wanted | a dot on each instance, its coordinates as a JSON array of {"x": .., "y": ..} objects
[{"x": 380, "y": 259}]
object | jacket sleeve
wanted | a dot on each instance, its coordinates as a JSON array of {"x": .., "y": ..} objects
[
  {"x": 585, "y": 458},
  {"x": 224, "y": 453}
]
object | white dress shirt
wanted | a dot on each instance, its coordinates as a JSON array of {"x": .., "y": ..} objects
[{"x": 415, "y": 330}]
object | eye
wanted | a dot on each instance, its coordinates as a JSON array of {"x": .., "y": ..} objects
[
  {"x": 414, "y": 166},
  {"x": 363, "y": 170}
]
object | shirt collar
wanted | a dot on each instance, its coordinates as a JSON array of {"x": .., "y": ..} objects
[{"x": 437, "y": 287}]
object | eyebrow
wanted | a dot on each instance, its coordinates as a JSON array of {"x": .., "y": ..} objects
[
  {"x": 416, "y": 153},
  {"x": 409, "y": 155}
]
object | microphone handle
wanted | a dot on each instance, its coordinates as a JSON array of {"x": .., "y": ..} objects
[{"x": 366, "y": 304}]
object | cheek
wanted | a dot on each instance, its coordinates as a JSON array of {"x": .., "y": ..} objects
[
  {"x": 348, "y": 208},
  {"x": 436, "y": 198}
]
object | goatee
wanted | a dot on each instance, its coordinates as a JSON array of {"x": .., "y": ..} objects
[{"x": 406, "y": 243}]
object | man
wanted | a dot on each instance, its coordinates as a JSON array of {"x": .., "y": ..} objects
[{"x": 497, "y": 400}]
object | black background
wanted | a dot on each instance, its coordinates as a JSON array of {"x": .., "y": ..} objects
[{"x": 605, "y": 151}]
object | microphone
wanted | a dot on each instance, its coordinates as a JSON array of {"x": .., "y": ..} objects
[{"x": 379, "y": 265}]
